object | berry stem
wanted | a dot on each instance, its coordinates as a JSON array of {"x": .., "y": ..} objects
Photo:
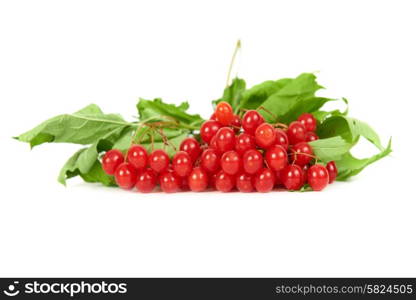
[{"x": 230, "y": 68}]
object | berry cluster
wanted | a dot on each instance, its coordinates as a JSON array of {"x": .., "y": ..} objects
[{"x": 247, "y": 154}]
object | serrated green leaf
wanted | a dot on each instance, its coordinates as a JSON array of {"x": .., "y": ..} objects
[{"x": 332, "y": 148}]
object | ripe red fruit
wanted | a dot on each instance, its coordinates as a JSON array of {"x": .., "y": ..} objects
[
  {"x": 210, "y": 160},
  {"x": 126, "y": 176},
  {"x": 308, "y": 120},
  {"x": 169, "y": 182},
  {"x": 282, "y": 139},
  {"x": 244, "y": 183},
  {"x": 252, "y": 161},
  {"x": 198, "y": 180},
  {"x": 159, "y": 160},
  {"x": 318, "y": 177},
  {"x": 276, "y": 158},
  {"x": 265, "y": 135},
  {"x": 244, "y": 142},
  {"x": 305, "y": 169},
  {"x": 213, "y": 117},
  {"x": 296, "y": 133},
  {"x": 251, "y": 120},
  {"x": 146, "y": 181},
  {"x": 236, "y": 123},
  {"x": 224, "y": 113},
  {"x": 225, "y": 139},
  {"x": 264, "y": 180},
  {"x": 301, "y": 153},
  {"x": 292, "y": 177},
  {"x": 191, "y": 146},
  {"x": 231, "y": 162},
  {"x": 182, "y": 163},
  {"x": 224, "y": 182},
  {"x": 137, "y": 156},
  {"x": 311, "y": 136},
  {"x": 111, "y": 160},
  {"x": 209, "y": 130},
  {"x": 332, "y": 171}
]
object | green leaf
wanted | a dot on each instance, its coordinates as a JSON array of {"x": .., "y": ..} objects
[
  {"x": 332, "y": 148},
  {"x": 233, "y": 93},
  {"x": 308, "y": 105}
]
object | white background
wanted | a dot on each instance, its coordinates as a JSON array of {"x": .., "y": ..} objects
[{"x": 58, "y": 56}]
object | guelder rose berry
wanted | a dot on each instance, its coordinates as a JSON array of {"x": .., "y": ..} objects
[
  {"x": 251, "y": 120},
  {"x": 111, "y": 160},
  {"x": 159, "y": 160},
  {"x": 224, "y": 113},
  {"x": 318, "y": 177},
  {"x": 126, "y": 176},
  {"x": 137, "y": 156}
]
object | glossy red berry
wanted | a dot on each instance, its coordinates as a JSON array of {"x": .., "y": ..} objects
[
  {"x": 308, "y": 120},
  {"x": 264, "y": 180},
  {"x": 282, "y": 139},
  {"x": 332, "y": 171},
  {"x": 305, "y": 169},
  {"x": 244, "y": 183},
  {"x": 169, "y": 182},
  {"x": 236, "y": 124},
  {"x": 210, "y": 160},
  {"x": 182, "y": 163},
  {"x": 251, "y": 120},
  {"x": 318, "y": 177},
  {"x": 301, "y": 154},
  {"x": 209, "y": 130},
  {"x": 252, "y": 161},
  {"x": 296, "y": 133},
  {"x": 146, "y": 181},
  {"x": 126, "y": 176},
  {"x": 191, "y": 145},
  {"x": 224, "y": 113},
  {"x": 198, "y": 180},
  {"x": 311, "y": 136},
  {"x": 276, "y": 158},
  {"x": 159, "y": 160},
  {"x": 225, "y": 139},
  {"x": 265, "y": 135},
  {"x": 292, "y": 177},
  {"x": 111, "y": 160},
  {"x": 231, "y": 162},
  {"x": 137, "y": 156},
  {"x": 224, "y": 182},
  {"x": 244, "y": 142}
]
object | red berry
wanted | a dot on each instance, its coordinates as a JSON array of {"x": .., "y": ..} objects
[
  {"x": 231, "y": 162},
  {"x": 244, "y": 142},
  {"x": 236, "y": 123},
  {"x": 305, "y": 169},
  {"x": 191, "y": 146},
  {"x": 265, "y": 135},
  {"x": 111, "y": 160},
  {"x": 318, "y": 177},
  {"x": 146, "y": 181},
  {"x": 198, "y": 180},
  {"x": 224, "y": 182},
  {"x": 182, "y": 163},
  {"x": 126, "y": 176},
  {"x": 296, "y": 133},
  {"x": 282, "y": 139},
  {"x": 276, "y": 158},
  {"x": 301, "y": 153},
  {"x": 311, "y": 136},
  {"x": 332, "y": 171},
  {"x": 224, "y": 113},
  {"x": 225, "y": 139},
  {"x": 252, "y": 161},
  {"x": 159, "y": 160},
  {"x": 137, "y": 156},
  {"x": 209, "y": 130},
  {"x": 244, "y": 183},
  {"x": 169, "y": 182},
  {"x": 213, "y": 117},
  {"x": 292, "y": 177},
  {"x": 264, "y": 180},
  {"x": 251, "y": 120},
  {"x": 308, "y": 120},
  {"x": 210, "y": 160}
]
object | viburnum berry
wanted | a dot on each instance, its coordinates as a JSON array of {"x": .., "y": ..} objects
[
  {"x": 244, "y": 142},
  {"x": 308, "y": 120},
  {"x": 311, "y": 136},
  {"x": 224, "y": 113},
  {"x": 146, "y": 181},
  {"x": 159, "y": 160},
  {"x": 225, "y": 139},
  {"x": 210, "y": 160},
  {"x": 292, "y": 177},
  {"x": 282, "y": 139},
  {"x": 126, "y": 176},
  {"x": 137, "y": 156},
  {"x": 332, "y": 171},
  {"x": 251, "y": 120},
  {"x": 296, "y": 133},
  {"x": 264, "y": 180},
  {"x": 231, "y": 162},
  {"x": 169, "y": 181},
  {"x": 209, "y": 130},
  {"x": 224, "y": 182},
  {"x": 276, "y": 157},
  {"x": 191, "y": 145},
  {"x": 244, "y": 183},
  {"x": 111, "y": 160},
  {"x": 236, "y": 123},
  {"x": 265, "y": 135},
  {"x": 305, "y": 169},
  {"x": 301, "y": 154},
  {"x": 182, "y": 163},
  {"x": 252, "y": 161},
  {"x": 198, "y": 180},
  {"x": 318, "y": 177}
]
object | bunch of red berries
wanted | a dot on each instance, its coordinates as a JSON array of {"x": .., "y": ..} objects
[{"x": 247, "y": 154}]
